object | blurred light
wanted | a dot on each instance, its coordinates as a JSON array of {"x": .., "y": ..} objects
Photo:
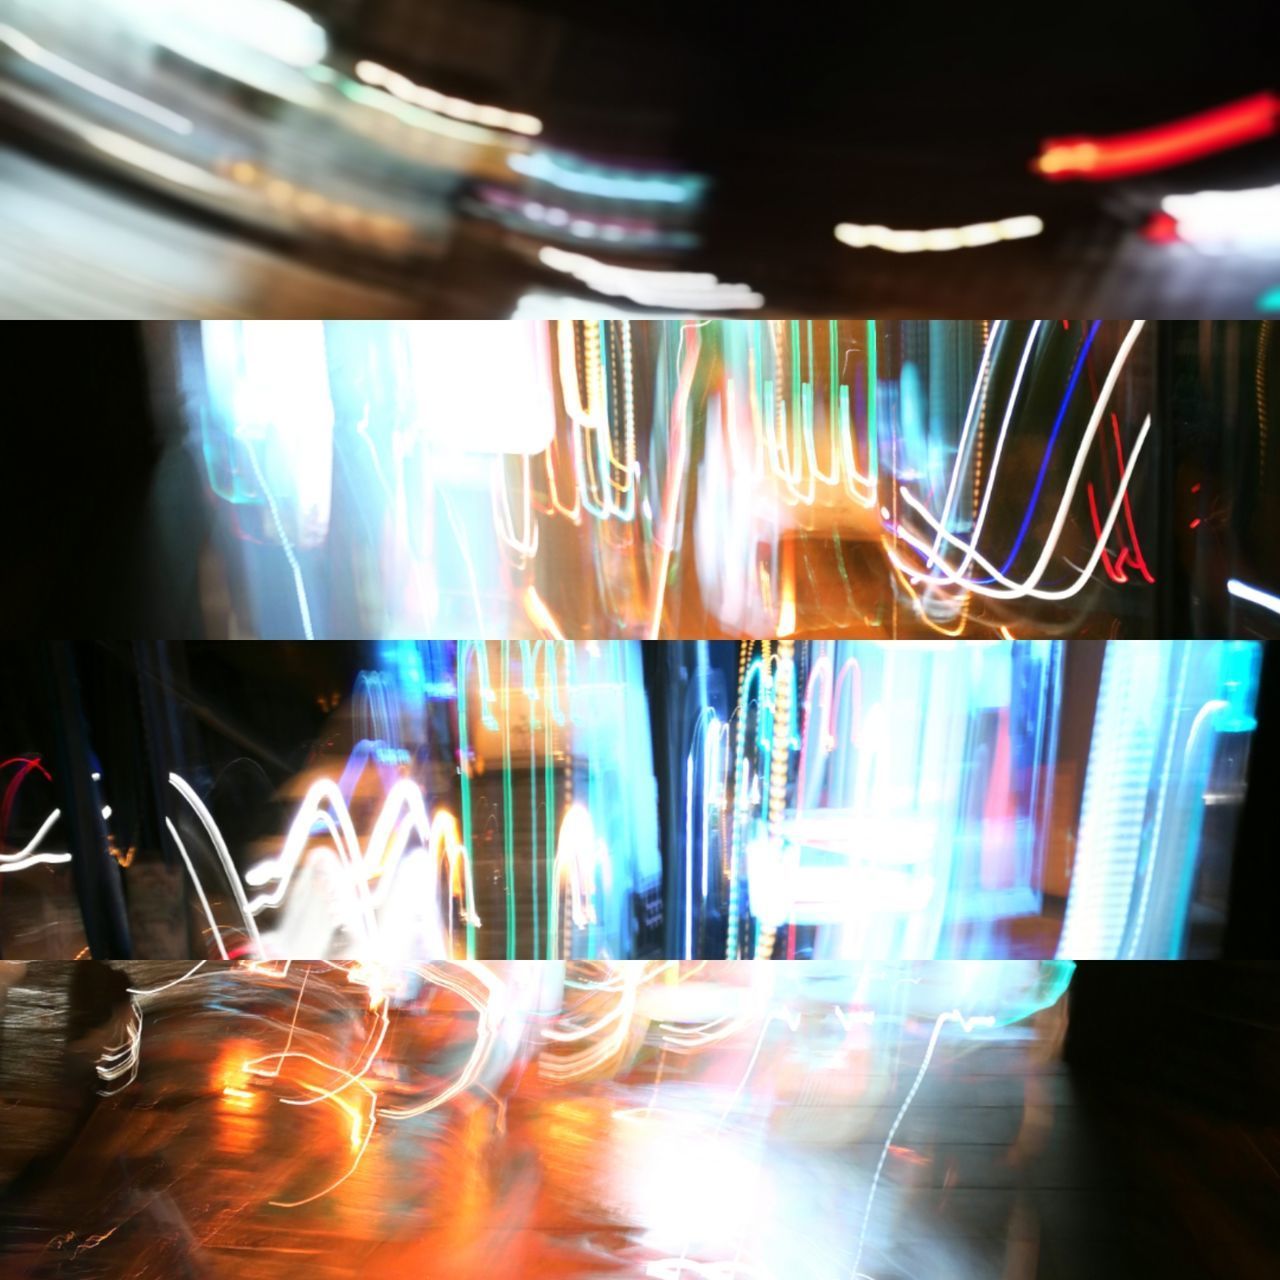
[
  {"x": 676, "y": 290},
  {"x": 281, "y": 31},
  {"x": 1240, "y": 220},
  {"x": 1242, "y": 591},
  {"x": 514, "y": 209},
  {"x": 483, "y": 386},
  {"x": 402, "y": 87},
  {"x": 153, "y": 161},
  {"x": 557, "y": 172},
  {"x": 939, "y": 240},
  {"x": 1142, "y": 815},
  {"x": 105, "y": 89},
  {"x": 1162, "y": 146},
  {"x": 538, "y": 305},
  {"x": 389, "y": 882},
  {"x": 30, "y": 855},
  {"x": 883, "y": 847},
  {"x": 1269, "y": 300},
  {"x": 807, "y": 427}
]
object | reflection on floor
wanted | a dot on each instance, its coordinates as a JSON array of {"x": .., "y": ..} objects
[{"x": 752, "y": 1156}]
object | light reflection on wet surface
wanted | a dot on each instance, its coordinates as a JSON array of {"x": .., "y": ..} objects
[{"x": 751, "y": 1156}]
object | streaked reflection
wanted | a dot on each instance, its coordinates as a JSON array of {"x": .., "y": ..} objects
[
  {"x": 521, "y": 1118},
  {"x": 827, "y": 799}
]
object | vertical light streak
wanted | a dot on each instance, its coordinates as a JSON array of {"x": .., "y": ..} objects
[
  {"x": 967, "y": 1024},
  {"x": 1168, "y": 783},
  {"x": 1009, "y": 589},
  {"x": 665, "y": 536},
  {"x": 688, "y": 858},
  {"x": 1000, "y": 439},
  {"x": 508, "y": 801},
  {"x": 1057, "y": 426},
  {"x": 184, "y": 789},
  {"x": 199, "y": 888},
  {"x": 961, "y": 447}
]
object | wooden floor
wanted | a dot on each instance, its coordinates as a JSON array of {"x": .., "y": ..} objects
[{"x": 754, "y": 1158}]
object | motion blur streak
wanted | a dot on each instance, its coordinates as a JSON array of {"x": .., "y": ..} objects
[
  {"x": 734, "y": 478},
  {"x": 941, "y": 239},
  {"x": 454, "y": 108},
  {"x": 315, "y": 1089},
  {"x": 604, "y": 800},
  {"x": 1263, "y": 599},
  {"x": 867, "y": 842},
  {"x": 76, "y": 75},
  {"x": 1222, "y": 220},
  {"x": 677, "y": 290},
  {"x": 1160, "y": 147}
]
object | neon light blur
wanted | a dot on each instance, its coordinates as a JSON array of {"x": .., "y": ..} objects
[
  {"x": 821, "y": 800},
  {"x": 1163, "y": 146},
  {"x": 426, "y": 480}
]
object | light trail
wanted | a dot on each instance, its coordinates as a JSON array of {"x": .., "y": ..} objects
[
  {"x": 940, "y": 239},
  {"x": 967, "y": 1025},
  {"x": 1253, "y": 595},
  {"x": 1161, "y": 146},
  {"x": 782, "y": 440}
]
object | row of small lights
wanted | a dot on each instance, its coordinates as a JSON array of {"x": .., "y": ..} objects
[
  {"x": 400, "y": 86},
  {"x": 333, "y": 215}
]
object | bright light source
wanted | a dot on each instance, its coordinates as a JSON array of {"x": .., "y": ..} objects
[
  {"x": 108, "y": 91},
  {"x": 484, "y": 386},
  {"x": 1242, "y": 591},
  {"x": 657, "y": 189},
  {"x": 273, "y": 27},
  {"x": 676, "y": 290},
  {"x": 1161, "y": 146},
  {"x": 1227, "y": 219},
  {"x": 400, "y": 86},
  {"x": 939, "y": 240}
]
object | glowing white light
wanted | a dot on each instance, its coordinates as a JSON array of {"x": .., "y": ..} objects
[
  {"x": 400, "y": 86},
  {"x": 273, "y": 376},
  {"x": 1242, "y": 591},
  {"x": 152, "y": 160},
  {"x": 484, "y": 386},
  {"x": 29, "y": 855},
  {"x": 939, "y": 240},
  {"x": 675, "y": 290},
  {"x": 58, "y": 66},
  {"x": 1228, "y": 219},
  {"x": 1114, "y": 820},
  {"x": 34, "y": 860},
  {"x": 280, "y": 30}
]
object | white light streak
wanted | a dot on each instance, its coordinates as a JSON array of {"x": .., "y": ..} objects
[
  {"x": 1227, "y": 219},
  {"x": 1242, "y": 591},
  {"x": 675, "y": 290},
  {"x": 939, "y": 240}
]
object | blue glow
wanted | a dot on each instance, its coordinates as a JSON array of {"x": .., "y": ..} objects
[
  {"x": 544, "y": 167},
  {"x": 1048, "y": 450}
]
